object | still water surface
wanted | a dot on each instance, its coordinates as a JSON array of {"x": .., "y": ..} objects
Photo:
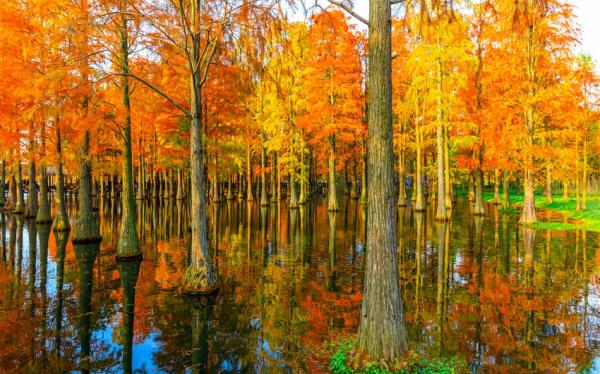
[{"x": 508, "y": 299}]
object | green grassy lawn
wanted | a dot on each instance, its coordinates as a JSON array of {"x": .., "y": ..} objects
[{"x": 588, "y": 219}]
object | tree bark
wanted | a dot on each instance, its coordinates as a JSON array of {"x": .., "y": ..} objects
[
  {"x": 20, "y": 205},
  {"x": 505, "y": 187},
  {"x": 200, "y": 277},
  {"x": 249, "y": 191},
  {"x": 264, "y": 198},
  {"x": 381, "y": 333},
  {"x": 332, "y": 203},
  {"x": 478, "y": 208},
  {"x": 86, "y": 226},
  {"x": 128, "y": 245},
  {"x": 548, "y": 185},
  {"x": 496, "y": 186},
  {"x": 61, "y": 221}
]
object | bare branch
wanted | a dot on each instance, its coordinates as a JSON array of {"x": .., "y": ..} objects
[
  {"x": 350, "y": 11},
  {"x": 160, "y": 93}
]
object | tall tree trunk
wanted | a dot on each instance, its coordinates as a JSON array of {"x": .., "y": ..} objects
[
  {"x": 200, "y": 276},
  {"x": 293, "y": 192},
  {"x": 12, "y": 193},
  {"x": 332, "y": 203},
  {"x": 528, "y": 215},
  {"x": 364, "y": 183},
  {"x": 61, "y": 221},
  {"x": 275, "y": 191},
  {"x": 264, "y": 195},
  {"x": 128, "y": 245},
  {"x": 441, "y": 213},
  {"x": 303, "y": 177},
  {"x": 86, "y": 226},
  {"x": 548, "y": 185},
  {"x": 20, "y": 205},
  {"x": 496, "y": 186},
  {"x": 505, "y": 188},
  {"x": 381, "y": 333},
  {"x": 584, "y": 176},
  {"x": 180, "y": 186},
  {"x": 401, "y": 176},
  {"x": 229, "y": 188},
  {"x": 419, "y": 202},
  {"x": 447, "y": 179},
  {"x": 140, "y": 190},
  {"x": 32, "y": 196},
  {"x": 471, "y": 190},
  {"x": 478, "y": 208},
  {"x": 2, "y": 184},
  {"x": 249, "y": 191}
]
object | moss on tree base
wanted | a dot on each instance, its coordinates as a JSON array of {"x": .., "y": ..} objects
[{"x": 197, "y": 283}]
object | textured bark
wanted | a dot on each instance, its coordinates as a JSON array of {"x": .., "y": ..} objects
[
  {"x": 128, "y": 245},
  {"x": 264, "y": 198},
  {"x": 471, "y": 191},
  {"x": 2, "y": 183},
  {"x": 140, "y": 179},
  {"x": 447, "y": 178},
  {"x": 478, "y": 208},
  {"x": 496, "y": 186},
  {"x": 20, "y": 205},
  {"x": 275, "y": 191},
  {"x": 401, "y": 179},
  {"x": 12, "y": 193},
  {"x": 364, "y": 183},
  {"x": 249, "y": 191},
  {"x": 229, "y": 189},
  {"x": 332, "y": 203},
  {"x": 240, "y": 187},
  {"x": 179, "y": 185},
  {"x": 293, "y": 192},
  {"x": 584, "y": 176},
  {"x": 61, "y": 220},
  {"x": 303, "y": 177},
  {"x": 32, "y": 196},
  {"x": 419, "y": 202},
  {"x": 505, "y": 187},
  {"x": 441, "y": 213},
  {"x": 86, "y": 226},
  {"x": 382, "y": 333},
  {"x": 548, "y": 185},
  {"x": 200, "y": 276},
  {"x": 528, "y": 215}
]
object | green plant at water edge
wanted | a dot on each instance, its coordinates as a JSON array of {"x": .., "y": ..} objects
[{"x": 413, "y": 365}]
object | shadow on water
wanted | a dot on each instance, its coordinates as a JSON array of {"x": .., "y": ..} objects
[{"x": 506, "y": 298}]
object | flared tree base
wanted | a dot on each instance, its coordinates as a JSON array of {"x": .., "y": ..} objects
[
  {"x": 61, "y": 225},
  {"x": 196, "y": 282}
]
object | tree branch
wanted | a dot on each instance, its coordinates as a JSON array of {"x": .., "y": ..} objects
[
  {"x": 160, "y": 93},
  {"x": 350, "y": 11}
]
